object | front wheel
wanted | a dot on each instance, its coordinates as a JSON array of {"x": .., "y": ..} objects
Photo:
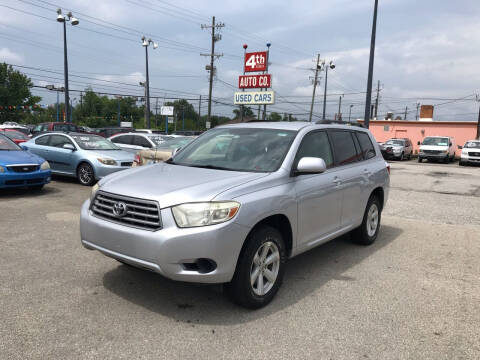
[
  {"x": 401, "y": 156},
  {"x": 420, "y": 159},
  {"x": 367, "y": 233},
  {"x": 260, "y": 269},
  {"x": 85, "y": 174}
]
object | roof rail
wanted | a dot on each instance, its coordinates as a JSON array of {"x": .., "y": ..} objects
[{"x": 337, "y": 122}]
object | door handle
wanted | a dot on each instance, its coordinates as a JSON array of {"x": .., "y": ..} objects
[
  {"x": 337, "y": 180},
  {"x": 366, "y": 172}
]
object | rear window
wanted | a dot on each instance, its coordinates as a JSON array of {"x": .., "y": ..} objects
[
  {"x": 123, "y": 139},
  {"x": 368, "y": 151},
  {"x": 343, "y": 147}
]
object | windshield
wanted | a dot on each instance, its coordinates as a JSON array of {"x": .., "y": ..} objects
[
  {"x": 8, "y": 145},
  {"x": 175, "y": 143},
  {"x": 472, "y": 145},
  {"x": 238, "y": 149},
  {"x": 94, "y": 142},
  {"x": 395, "y": 142},
  {"x": 435, "y": 141},
  {"x": 159, "y": 139},
  {"x": 12, "y": 134}
]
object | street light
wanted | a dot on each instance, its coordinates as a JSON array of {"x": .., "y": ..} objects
[
  {"x": 145, "y": 44},
  {"x": 325, "y": 67},
  {"x": 74, "y": 21}
]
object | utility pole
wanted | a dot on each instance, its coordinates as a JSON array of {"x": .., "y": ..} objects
[
  {"x": 418, "y": 107},
  {"x": 317, "y": 68},
  {"x": 350, "y": 113},
  {"x": 477, "y": 98},
  {"x": 199, "y": 110},
  {"x": 340, "y": 108},
  {"x": 370, "y": 67},
  {"x": 376, "y": 100},
  {"x": 245, "y": 46},
  {"x": 405, "y": 115},
  {"x": 156, "y": 111},
  {"x": 265, "y": 106},
  {"x": 212, "y": 55}
]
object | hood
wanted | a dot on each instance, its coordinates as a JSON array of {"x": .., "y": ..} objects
[
  {"x": 174, "y": 184},
  {"x": 434, "y": 147},
  {"x": 19, "y": 157},
  {"x": 113, "y": 154}
]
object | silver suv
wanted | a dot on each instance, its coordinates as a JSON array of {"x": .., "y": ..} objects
[{"x": 233, "y": 205}]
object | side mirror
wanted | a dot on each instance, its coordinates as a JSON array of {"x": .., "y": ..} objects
[
  {"x": 418, "y": 142},
  {"x": 310, "y": 165},
  {"x": 460, "y": 147},
  {"x": 69, "y": 147},
  {"x": 23, "y": 147},
  {"x": 176, "y": 150}
]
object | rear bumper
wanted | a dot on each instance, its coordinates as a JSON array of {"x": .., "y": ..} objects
[
  {"x": 12, "y": 179},
  {"x": 167, "y": 250}
]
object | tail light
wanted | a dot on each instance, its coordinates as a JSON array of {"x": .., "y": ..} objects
[{"x": 388, "y": 167}]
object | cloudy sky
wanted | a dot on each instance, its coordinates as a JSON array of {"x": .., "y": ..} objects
[{"x": 426, "y": 51}]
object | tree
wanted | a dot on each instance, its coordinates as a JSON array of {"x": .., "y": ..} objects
[
  {"x": 274, "y": 116},
  {"x": 247, "y": 112},
  {"x": 15, "y": 92}
]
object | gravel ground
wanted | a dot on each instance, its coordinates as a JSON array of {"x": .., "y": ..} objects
[{"x": 414, "y": 294}]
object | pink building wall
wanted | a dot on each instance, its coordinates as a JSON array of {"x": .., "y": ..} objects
[{"x": 416, "y": 131}]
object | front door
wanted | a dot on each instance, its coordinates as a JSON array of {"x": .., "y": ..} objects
[
  {"x": 60, "y": 159},
  {"x": 318, "y": 195}
]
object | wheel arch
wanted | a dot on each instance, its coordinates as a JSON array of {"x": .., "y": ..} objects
[
  {"x": 85, "y": 161},
  {"x": 380, "y": 194}
]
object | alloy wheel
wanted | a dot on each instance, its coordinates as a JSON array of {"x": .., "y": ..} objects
[
  {"x": 264, "y": 268},
  {"x": 372, "y": 220}
]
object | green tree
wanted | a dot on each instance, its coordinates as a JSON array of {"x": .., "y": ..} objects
[
  {"x": 15, "y": 91},
  {"x": 247, "y": 112},
  {"x": 274, "y": 116}
]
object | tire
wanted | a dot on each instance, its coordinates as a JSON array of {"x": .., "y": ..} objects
[
  {"x": 85, "y": 174},
  {"x": 401, "y": 156},
  {"x": 461, "y": 163},
  {"x": 420, "y": 159},
  {"x": 252, "y": 259},
  {"x": 365, "y": 234},
  {"x": 410, "y": 156},
  {"x": 446, "y": 160}
]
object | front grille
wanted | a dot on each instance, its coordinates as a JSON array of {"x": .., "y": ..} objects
[
  {"x": 34, "y": 181},
  {"x": 139, "y": 213},
  {"x": 474, "y": 154},
  {"x": 23, "y": 168},
  {"x": 435, "y": 152},
  {"x": 14, "y": 182},
  {"x": 126, "y": 163}
]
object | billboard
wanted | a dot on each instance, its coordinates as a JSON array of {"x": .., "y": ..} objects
[
  {"x": 166, "y": 110},
  {"x": 254, "y": 98},
  {"x": 255, "y": 81},
  {"x": 255, "y": 61}
]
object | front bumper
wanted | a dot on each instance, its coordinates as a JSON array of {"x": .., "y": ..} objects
[
  {"x": 12, "y": 179},
  {"x": 470, "y": 159},
  {"x": 167, "y": 250},
  {"x": 428, "y": 156},
  {"x": 103, "y": 170}
]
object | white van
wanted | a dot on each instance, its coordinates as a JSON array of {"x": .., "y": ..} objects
[{"x": 437, "y": 148}]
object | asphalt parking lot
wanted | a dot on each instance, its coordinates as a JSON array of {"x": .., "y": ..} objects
[{"x": 414, "y": 294}]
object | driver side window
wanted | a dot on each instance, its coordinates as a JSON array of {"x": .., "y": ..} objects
[{"x": 316, "y": 144}]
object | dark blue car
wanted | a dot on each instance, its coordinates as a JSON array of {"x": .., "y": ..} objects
[{"x": 20, "y": 168}]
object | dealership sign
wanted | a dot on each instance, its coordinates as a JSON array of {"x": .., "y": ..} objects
[
  {"x": 255, "y": 61},
  {"x": 254, "y": 98},
  {"x": 166, "y": 110},
  {"x": 255, "y": 81}
]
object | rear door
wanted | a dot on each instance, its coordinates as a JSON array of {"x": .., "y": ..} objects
[
  {"x": 141, "y": 143},
  {"x": 318, "y": 195},
  {"x": 348, "y": 162}
]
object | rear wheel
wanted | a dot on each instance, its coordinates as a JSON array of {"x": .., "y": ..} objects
[
  {"x": 367, "y": 233},
  {"x": 260, "y": 269},
  {"x": 85, "y": 174}
]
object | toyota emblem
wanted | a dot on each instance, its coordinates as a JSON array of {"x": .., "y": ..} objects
[{"x": 120, "y": 209}]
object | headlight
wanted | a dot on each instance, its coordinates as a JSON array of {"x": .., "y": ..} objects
[
  {"x": 45, "y": 166},
  {"x": 202, "y": 214},
  {"x": 105, "y": 161},
  {"x": 95, "y": 188}
]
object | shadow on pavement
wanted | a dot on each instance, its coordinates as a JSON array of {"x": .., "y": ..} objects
[
  {"x": 27, "y": 192},
  {"x": 207, "y": 304}
]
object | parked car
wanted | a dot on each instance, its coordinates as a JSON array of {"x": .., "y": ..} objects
[
  {"x": 135, "y": 142},
  {"x": 20, "y": 168},
  {"x": 56, "y": 126},
  {"x": 163, "y": 152},
  {"x": 236, "y": 203},
  {"x": 397, "y": 148},
  {"x": 437, "y": 148},
  {"x": 11, "y": 126},
  {"x": 16, "y": 136},
  {"x": 110, "y": 131},
  {"x": 470, "y": 152},
  {"x": 84, "y": 156}
]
